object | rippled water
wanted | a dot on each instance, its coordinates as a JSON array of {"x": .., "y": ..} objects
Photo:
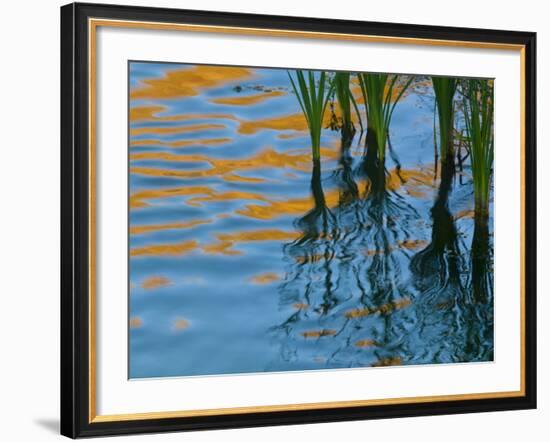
[{"x": 245, "y": 257}]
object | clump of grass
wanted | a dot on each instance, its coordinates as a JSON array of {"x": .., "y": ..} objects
[
  {"x": 340, "y": 82},
  {"x": 381, "y": 95},
  {"x": 313, "y": 97},
  {"x": 478, "y": 116},
  {"x": 445, "y": 88}
]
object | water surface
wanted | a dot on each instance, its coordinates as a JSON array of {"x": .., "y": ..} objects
[{"x": 246, "y": 257}]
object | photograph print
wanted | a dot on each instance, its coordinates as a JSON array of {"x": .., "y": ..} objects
[{"x": 286, "y": 219}]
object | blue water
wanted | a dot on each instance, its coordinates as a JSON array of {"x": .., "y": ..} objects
[{"x": 245, "y": 257}]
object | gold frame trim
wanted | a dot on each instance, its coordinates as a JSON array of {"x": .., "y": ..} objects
[{"x": 93, "y": 24}]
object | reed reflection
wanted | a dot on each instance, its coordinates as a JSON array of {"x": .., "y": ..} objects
[
  {"x": 364, "y": 295},
  {"x": 291, "y": 220},
  {"x": 444, "y": 275},
  {"x": 345, "y": 271}
]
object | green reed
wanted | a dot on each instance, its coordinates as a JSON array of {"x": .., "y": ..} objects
[
  {"x": 341, "y": 85},
  {"x": 478, "y": 116},
  {"x": 444, "y": 89},
  {"x": 313, "y": 97},
  {"x": 381, "y": 95}
]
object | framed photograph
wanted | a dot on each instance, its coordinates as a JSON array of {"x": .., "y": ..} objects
[{"x": 279, "y": 220}]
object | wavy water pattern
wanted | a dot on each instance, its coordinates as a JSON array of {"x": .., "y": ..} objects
[{"x": 246, "y": 256}]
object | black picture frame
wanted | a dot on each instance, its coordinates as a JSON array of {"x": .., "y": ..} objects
[{"x": 75, "y": 248}]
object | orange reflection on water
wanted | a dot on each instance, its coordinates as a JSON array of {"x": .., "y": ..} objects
[
  {"x": 382, "y": 309},
  {"x": 148, "y": 228},
  {"x": 387, "y": 362},
  {"x": 221, "y": 248},
  {"x": 181, "y": 143},
  {"x": 265, "y": 278},
  {"x": 136, "y": 322},
  {"x": 267, "y": 158},
  {"x": 246, "y": 100},
  {"x": 231, "y": 177},
  {"x": 150, "y": 113},
  {"x": 181, "y": 324},
  {"x": 182, "y": 248},
  {"x": 189, "y": 82},
  {"x": 226, "y": 196},
  {"x": 226, "y": 241},
  {"x": 297, "y": 206},
  {"x": 318, "y": 333},
  {"x": 138, "y": 113},
  {"x": 137, "y": 199},
  {"x": 163, "y": 130},
  {"x": 259, "y": 235},
  {"x": 285, "y": 122},
  {"x": 366, "y": 343},
  {"x": 154, "y": 282},
  {"x": 300, "y": 306}
]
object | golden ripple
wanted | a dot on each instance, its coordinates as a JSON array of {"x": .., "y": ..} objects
[
  {"x": 147, "y": 228},
  {"x": 162, "y": 130},
  {"x": 412, "y": 244},
  {"x": 221, "y": 248},
  {"x": 267, "y": 158},
  {"x": 294, "y": 122},
  {"x": 138, "y": 113},
  {"x": 226, "y": 196},
  {"x": 311, "y": 258},
  {"x": 274, "y": 209},
  {"x": 136, "y": 322},
  {"x": 382, "y": 309},
  {"x": 168, "y": 156},
  {"x": 410, "y": 178},
  {"x": 150, "y": 113},
  {"x": 300, "y": 306},
  {"x": 290, "y": 136},
  {"x": 246, "y": 100},
  {"x": 226, "y": 241},
  {"x": 181, "y": 143},
  {"x": 188, "y": 82},
  {"x": 181, "y": 324},
  {"x": 296, "y": 206},
  {"x": 182, "y": 248},
  {"x": 258, "y": 235},
  {"x": 403, "y": 302},
  {"x": 138, "y": 198},
  {"x": 318, "y": 333},
  {"x": 155, "y": 282},
  {"x": 265, "y": 278},
  {"x": 242, "y": 179},
  {"x": 286, "y": 122},
  {"x": 387, "y": 362},
  {"x": 366, "y": 343},
  {"x": 358, "y": 313},
  {"x": 374, "y": 252}
]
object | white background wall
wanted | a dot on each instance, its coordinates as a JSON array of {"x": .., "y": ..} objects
[{"x": 29, "y": 219}]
